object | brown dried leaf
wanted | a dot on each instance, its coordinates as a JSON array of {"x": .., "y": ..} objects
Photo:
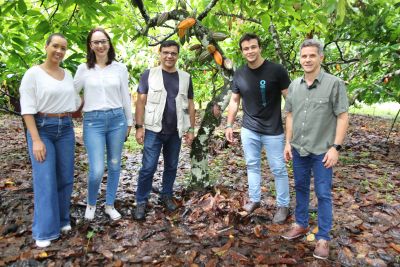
[
  {"x": 224, "y": 248},
  {"x": 238, "y": 257},
  {"x": 257, "y": 231},
  {"x": 395, "y": 246},
  {"x": 212, "y": 263}
]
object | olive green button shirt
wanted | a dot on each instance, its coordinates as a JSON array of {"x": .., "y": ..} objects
[{"x": 314, "y": 110}]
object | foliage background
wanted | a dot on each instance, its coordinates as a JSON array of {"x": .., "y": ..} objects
[{"x": 362, "y": 38}]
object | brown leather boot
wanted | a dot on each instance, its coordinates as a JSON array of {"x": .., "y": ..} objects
[
  {"x": 295, "y": 231},
  {"x": 321, "y": 250}
]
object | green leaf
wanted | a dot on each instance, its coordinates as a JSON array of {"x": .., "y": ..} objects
[
  {"x": 265, "y": 21},
  {"x": 22, "y": 6},
  {"x": 43, "y": 27},
  {"x": 341, "y": 11}
]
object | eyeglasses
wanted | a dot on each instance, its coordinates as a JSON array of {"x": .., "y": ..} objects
[
  {"x": 98, "y": 42},
  {"x": 172, "y": 54}
]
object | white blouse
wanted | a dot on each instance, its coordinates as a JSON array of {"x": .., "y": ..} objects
[
  {"x": 41, "y": 92},
  {"x": 105, "y": 88}
]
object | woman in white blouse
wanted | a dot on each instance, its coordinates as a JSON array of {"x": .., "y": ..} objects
[
  {"x": 47, "y": 99},
  {"x": 107, "y": 117}
]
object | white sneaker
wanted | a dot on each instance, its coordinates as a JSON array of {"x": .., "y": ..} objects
[
  {"x": 43, "y": 243},
  {"x": 89, "y": 213},
  {"x": 66, "y": 228},
  {"x": 112, "y": 212}
]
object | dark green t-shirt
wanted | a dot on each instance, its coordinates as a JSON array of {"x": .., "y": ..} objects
[{"x": 260, "y": 90}]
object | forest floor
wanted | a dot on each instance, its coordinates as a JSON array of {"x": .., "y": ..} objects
[{"x": 210, "y": 228}]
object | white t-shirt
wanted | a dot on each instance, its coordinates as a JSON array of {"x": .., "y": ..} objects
[
  {"x": 105, "y": 88},
  {"x": 40, "y": 92}
]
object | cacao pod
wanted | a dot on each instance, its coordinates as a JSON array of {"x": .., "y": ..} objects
[
  {"x": 211, "y": 48},
  {"x": 219, "y": 36},
  {"x": 162, "y": 18},
  {"x": 186, "y": 23},
  {"x": 181, "y": 33},
  {"x": 195, "y": 47},
  {"x": 218, "y": 58},
  {"x": 204, "y": 55},
  {"x": 228, "y": 64}
]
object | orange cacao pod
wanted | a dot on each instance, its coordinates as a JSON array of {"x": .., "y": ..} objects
[
  {"x": 218, "y": 58},
  {"x": 186, "y": 23}
]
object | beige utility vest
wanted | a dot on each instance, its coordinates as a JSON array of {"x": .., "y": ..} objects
[{"x": 157, "y": 97}]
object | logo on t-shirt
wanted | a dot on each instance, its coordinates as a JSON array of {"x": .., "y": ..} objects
[{"x": 263, "y": 89}]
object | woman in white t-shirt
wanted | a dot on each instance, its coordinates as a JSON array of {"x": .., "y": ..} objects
[
  {"x": 107, "y": 117},
  {"x": 47, "y": 100}
]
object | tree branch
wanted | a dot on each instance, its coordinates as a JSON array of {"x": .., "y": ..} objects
[
  {"x": 207, "y": 9},
  {"x": 391, "y": 75},
  {"x": 162, "y": 40},
  {"x": 342, "y": 62},
  {"x": 142, "y": 9},
  {"x": 72, "y": 15},
  {"x": 277, "y": 44},
  {"x": 10, "y": 111},
  {"x": 54, "y": 13},
  {"x": 223, "y": 14}
]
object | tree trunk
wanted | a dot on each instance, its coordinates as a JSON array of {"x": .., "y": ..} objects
[{"x": 212, "y": 118}]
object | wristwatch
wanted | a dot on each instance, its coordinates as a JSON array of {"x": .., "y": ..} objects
[
  {"x": 138, "y": 126},
  {"x": 337, "y": 147}
]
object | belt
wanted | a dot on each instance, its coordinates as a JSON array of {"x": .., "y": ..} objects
[{"x": 55, "y": 115}]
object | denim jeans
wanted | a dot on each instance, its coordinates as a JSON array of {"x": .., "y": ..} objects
[
  {"x": 302, "y": 167},
  {"x": 53, "y": 178},
  {"x": 274, "y": 145},
  {"x": 171, "y": 146},
  {"x": 104, "y": 129}
]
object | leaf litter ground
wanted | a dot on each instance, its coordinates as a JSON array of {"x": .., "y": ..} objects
[{"x": 210, "y": 228}]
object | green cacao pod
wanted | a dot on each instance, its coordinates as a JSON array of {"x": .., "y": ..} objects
[
  {"x": 219, "y": 36},
  {"x": 195, "y": 47},
  {"x": 204, "y": 55}
]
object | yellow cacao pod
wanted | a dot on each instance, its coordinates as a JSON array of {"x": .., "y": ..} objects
[{"x": 211, "y": 48}]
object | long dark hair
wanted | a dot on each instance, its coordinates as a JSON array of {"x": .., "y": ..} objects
[{"x": 90, "y": 56}]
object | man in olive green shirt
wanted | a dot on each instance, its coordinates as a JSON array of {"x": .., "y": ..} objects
[{"x": 316, "y": 124}]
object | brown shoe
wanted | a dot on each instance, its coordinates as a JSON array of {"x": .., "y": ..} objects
[
  {"x": 321, "y": 250},
  {"x": 295, "y": 232},
  {"x": 251, "y": 206}
]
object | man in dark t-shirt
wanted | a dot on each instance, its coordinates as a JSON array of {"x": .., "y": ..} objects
[
  {"x": 164, "y": 114},
  {"x": 260, "y": 84}
]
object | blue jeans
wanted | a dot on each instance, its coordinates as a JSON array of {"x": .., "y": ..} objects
[
  {"x": 274, "y": 145},
  {"x": 104, "y": 129},
  {"x": 171, "y": 146},
  {"x": 53, "y": 178},
  {"x": 302, "y": 167}
]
